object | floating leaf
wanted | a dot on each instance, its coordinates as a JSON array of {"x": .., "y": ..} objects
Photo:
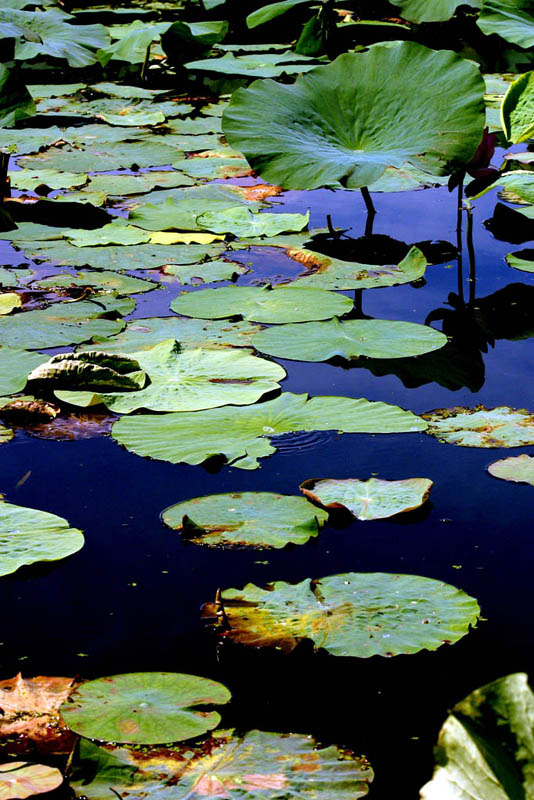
[
  {"x": 242, "y": 435},
  {"x": 89, "y": 370},
  {"x": 30, "y": 180},
  {"x": 120, "y": 185},
  {"x": 255, "y": 65},
  {"x": 270, "y": 765},
  {"x": 60, "y": 324},
  {"x": 371, "y": 499},
  {"x": 108, "y": 281},
  {"x": 519, "y": 469},
  {"x": 340, "y": 124},
  {"x": 242, "y": 221},
  {"x": 9, "y": 301},
  {"x": 18, "y": 779},
  {"x": 481, "y": 427},
  {"x": 523, "y": 260},
  {"x": 512, "y": 20},
  {"x": 116, "y": 232},
  {"x": 104, "y": 157},
  {"x": 353, "y": 614},
  {"x": 144, "y": 707},
  {"x": 262, "y": 304},
  {"x": 208, "y": 272},
  {"x": 212, "y": 168},
  {"x": 324, "y": 272},
  {"x": 30, "y": 709},
  {"x": 28, "y": 536},
  {"x": 485, "y": 749},
  {"x": 518, "y": 187},
  {"x": 15, "y": 365},
  {"x": 374, "y": 338},
  {"x": 247, "y": 519}
]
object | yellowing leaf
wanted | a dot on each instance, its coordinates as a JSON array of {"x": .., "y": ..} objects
[{"x": 169, "y": 237}]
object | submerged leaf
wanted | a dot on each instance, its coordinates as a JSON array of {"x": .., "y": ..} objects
[
  {"x": 353, "y": 614},
  {"x": 481, "y": 427},
  {"x": 247, "y": 519},
  {"x": 30, "y": 709},
  {"x": 371, "y": 499},
  {"x": 145, "y": 707}
]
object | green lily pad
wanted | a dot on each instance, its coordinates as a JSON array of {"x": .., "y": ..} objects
[
  {"x": 340, "y": 124},
  {"x": 519, "y": 469},
  {"x": 20, "y": 779},
  {"x": 406, "y": 179},
  {"x": 325, "y": 272},
  {"x": 242, "y": 221},
  {"x": 435, "y": 11},
  {"x": 371, "y": 499},
  {"x": 142, "y": 334},
  {"x": 212, "y": 168},
  {"x": 60, "y": 324},
  {"x": 103, "y": 157},
  {"x": 118, "y": 257},
  {"x": 255, "y": 65},
  {"x": 242, "y": 435},
  {"x": 520, "y": 260},
  {"x": 481, "y": 427},
  {"x": 247, "y": 519},
  {"x": 120, "y": 185},
  {"x": 518, "y": 107},
  {"x": 133, "y": 44},
  {"x": 16, "y": 102},
  {"x": 49, "y": 33},
  {"x": 144, "y": 707},
  {"x": 517, "y": 187},
  {"x": 208, "y": 272},
  {"x": 27, "y": 140},
  {"x": 353, "y": 614},
  {"x": 28, "y": 536},
  {"x": 14, "y": 368},
  {"x": 14, "y": 277},
  {"x": 512, "y": 20},
  {"x": 237, "y": 767},
  {"x": 373, "y": 338},
  {"x": 29, "y": 179},
  {"x": 485, "y": 749},
  {"x": 189, "y": 380},
  {"x": 109, "y": 281},
  {"x": 116, "y": 232},
  {"x": 271, "y": 11},
  {"x": 283, "y": 304}
]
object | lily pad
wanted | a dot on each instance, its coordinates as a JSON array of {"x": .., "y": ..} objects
[
  {"x": 30, "y": 711},
  {"x": 60, "y": 324},
  {"x": 242, "y": 221},
  {"x": 340, "y": 124},
  {"x": 212, "y": 168},
  {"x": 435, "y": 11},
  {"x": 255, "y": 65},
  {"x": 517, "y": 187},
  {"x": 352, "y": 614},
  {"x": 89, "y": 370},
  {"x": 20, "y": 779},
  {"x": 208, "y": 272},
  {"x": 145, "y": 707},
  {"x": 247, "y": 519},
  {"x": 232, "y": 766},
  {"x": 142, "y": 334},
  {"x": 242, "y": 435},
  {"x": 28, "y": 536},
  {"x": 485, "y": 749},
  {"x": 373, "y": 338},
  {"x": 30, "y": 179},
  {"x": 109, "y": 281},
  {"x": 324, "y": 272},
  {"x": 371, "y": 499},
  {"x": 264, "y": 304},
  {"x": 116, "y": 232},
  {"x": 103, "y": 157},
  {"x": 481, "y": 427},
  {"x": 523, "y": 260},
  {"x": 15, "y": 365},
  {"x": 518, "y": 107},
  {"x": 512, "y": 20},
  {"x": 519, "y": 469},
  {"x": 189, "y": 380},
  {"x": 9, "y": 301},
  {"x": 120, "y": 185}
]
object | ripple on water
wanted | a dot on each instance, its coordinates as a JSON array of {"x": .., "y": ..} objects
[{"x": 289, "y": 443}]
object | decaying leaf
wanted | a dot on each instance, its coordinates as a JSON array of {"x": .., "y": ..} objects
[
  {"x": 19, "y": 780},
  {"x": 481, "y": 427},
  {"x": 519, "y": 469}
]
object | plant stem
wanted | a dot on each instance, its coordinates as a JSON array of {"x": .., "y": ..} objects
[
  {"x": 4, "y": 180},
  {"x": 471, "y": 252}
]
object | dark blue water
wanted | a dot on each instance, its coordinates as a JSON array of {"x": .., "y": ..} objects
[{"x": 130, "y": 599}]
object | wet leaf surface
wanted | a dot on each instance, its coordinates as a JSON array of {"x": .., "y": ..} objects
[
  {"x": 480, "y": 427},
  {"x": 370, "y": 499},
  {"x": 519, "y": 469}
]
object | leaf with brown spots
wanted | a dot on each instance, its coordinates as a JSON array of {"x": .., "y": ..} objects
[{"x": 482, "y": 427}]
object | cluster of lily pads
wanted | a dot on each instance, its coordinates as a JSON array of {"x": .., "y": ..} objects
[{"x": 109, "y": 192}]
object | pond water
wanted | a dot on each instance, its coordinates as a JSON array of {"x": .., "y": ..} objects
[{"x": 130, "y": 599}]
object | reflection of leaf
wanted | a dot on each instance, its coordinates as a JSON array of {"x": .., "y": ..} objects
[
  {"x": 257, "y": 764},
  {"x": 519, "y": 469},
  {"x": 486, "y": 746},
  {"x": 145, "y": 707},
  {"x": 248, "y": 519},
  {"x": 353, "y": 614},
  {"x": 371, "y": 499}
]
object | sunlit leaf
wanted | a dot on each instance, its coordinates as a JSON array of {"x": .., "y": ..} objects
[
  {"x": 370, "y": 499},
  {"x": 512, "y": 20},
  {"x": 15, "y": 365},
  {"x": 519, "y": 469},
  {"x": 19, "y": 779},
  {"x": 517, "y": 108},
  {"x": 481, "y": 427}
]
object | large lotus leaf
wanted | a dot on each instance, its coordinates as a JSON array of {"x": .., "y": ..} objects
[
  {"x": 266, "y": 65},
  {"x": 104, "y": 157},
  {"x": 247, "y": 519},
  {"x": 519, "y": 469},
  {"x": 16, "y": 102},
  {"x": 120, "y": 185},
  {"x": 179, "y": 210},
  {"x": 242, "y": 435},
  {"x": 208, "y": 272},
  {"x": 133, "y": 45},
  {"x": 144, "y": 707},
  {"x": 370, "y": 499},
  {"x": 28, "y": 536},
  {"x": 344, "y": 124},
  {"x": 60, "y": 324},
  {"x": 433, "y": 11},
  {"x": 517, "y": 110},
  {"x": 353, "y": 614},
  {"x": 283, "y": 304},
  {"x": 109, "y": 281},
  {"x": 486, "y": 746},
  {"x": 190, "y": 380},
  {"x": 30, "y": 179},
  {"x": 273, "y": 10},
  {"x": 20, "y": 779},
  {"x": 512, "y": 20},
  {"x": 142, "y": 334},
  {"x": 481, "y": 427},
  {"x": 49, "y": 33},
  {"x": 14, "y": 368},
  {"x": 325, "y": 272},
  {"x": 374, "y": 338},
  {"x": 117, "y": 257},
  {"x": 406, "y": 179},
  {"x": 241, "y": 221},
  {"x": 257, "y": 764},
  {"x": 517, "y": 187},
  {"x": 89, "y": 370}
]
